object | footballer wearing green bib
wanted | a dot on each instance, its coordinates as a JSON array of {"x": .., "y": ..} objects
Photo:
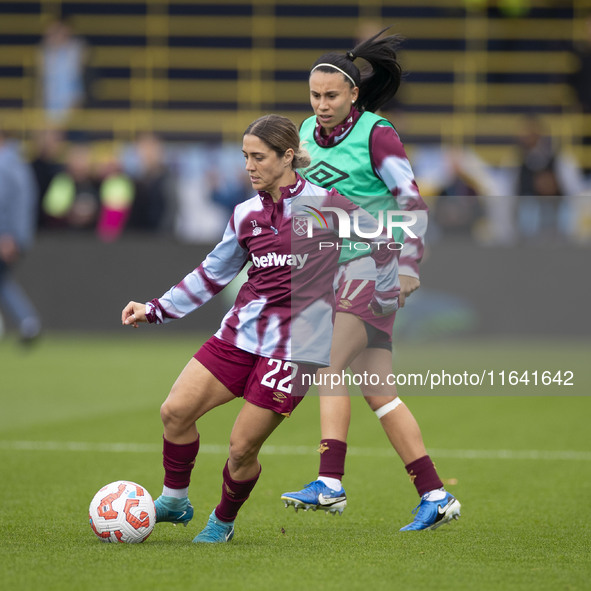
[{"x": 360, "y": 154}]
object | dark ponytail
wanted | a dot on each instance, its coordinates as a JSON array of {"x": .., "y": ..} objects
[{"x": 379, "y": 85}]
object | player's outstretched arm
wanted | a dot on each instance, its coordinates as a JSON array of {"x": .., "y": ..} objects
[{"x": 133, "y": 313}]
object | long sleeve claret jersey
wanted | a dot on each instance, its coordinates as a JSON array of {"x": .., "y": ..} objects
[{"x": 285, "y": 309}]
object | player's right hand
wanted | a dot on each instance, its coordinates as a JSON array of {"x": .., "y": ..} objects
[{"x": 133, "y": 313}]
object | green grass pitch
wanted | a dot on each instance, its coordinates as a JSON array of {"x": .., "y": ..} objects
[{"x": 518, "y": 458}]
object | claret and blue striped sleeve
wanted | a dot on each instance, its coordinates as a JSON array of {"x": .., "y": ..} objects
[
  {"x": 220, "y": 266},
  {"x": 393, "y": 167}
]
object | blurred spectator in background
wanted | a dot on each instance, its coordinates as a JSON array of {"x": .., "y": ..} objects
[
  {"x": 62, "y": 64},
  {"x": 18, "y": 208},
  {"x": 464, "y": 195},
  {"x": 46, "y": 161},
  {"x": 545, "y": 179},
  {"x": 154, "y": 204},
  {"x": 580, "y": 79},
  {"x": 72, "y": 199},
  {"x": 458, "y": 209},
  {"x": 201, "y": 217},
  {"x": 116, "y": 194},
  {"x": 229, "y": 190}
]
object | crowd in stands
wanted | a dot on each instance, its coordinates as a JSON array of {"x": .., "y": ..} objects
[
  {"x": 189, "y": 191},
  {"x": 539, "y": 194},
  {"x": 82, "y": 188}
]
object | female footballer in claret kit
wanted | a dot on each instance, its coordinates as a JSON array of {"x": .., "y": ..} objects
[
  {"x": 360, "y": 154},
  {"x": 278, "y": 331}
]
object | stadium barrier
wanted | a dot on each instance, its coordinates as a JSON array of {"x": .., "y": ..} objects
[{"x": 79, "y": 284}]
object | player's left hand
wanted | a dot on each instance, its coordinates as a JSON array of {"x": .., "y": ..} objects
[{"x": 408, "y": 284}]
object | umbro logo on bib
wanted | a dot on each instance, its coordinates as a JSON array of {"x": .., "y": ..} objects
[{"x": 325, "y": 175}]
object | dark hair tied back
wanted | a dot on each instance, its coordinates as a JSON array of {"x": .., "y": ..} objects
[{"x": 381, "y": 83}]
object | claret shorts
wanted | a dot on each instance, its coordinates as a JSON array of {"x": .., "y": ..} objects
[
  {"x": 354, "y": 287},
  {"x": 276, "y": 384}
]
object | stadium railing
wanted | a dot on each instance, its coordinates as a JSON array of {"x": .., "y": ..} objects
[{"x": 204, "y": 70}]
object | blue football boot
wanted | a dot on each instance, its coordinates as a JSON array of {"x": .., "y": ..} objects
[
  {"x": 432, "y": 514},
  {"x": 173, "y": 510},
  {"x": 215, "y": 531},
  {"x": 316, "y": 495}
]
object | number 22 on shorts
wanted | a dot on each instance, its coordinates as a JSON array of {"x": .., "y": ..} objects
[{"x": 284, "y": 384}]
